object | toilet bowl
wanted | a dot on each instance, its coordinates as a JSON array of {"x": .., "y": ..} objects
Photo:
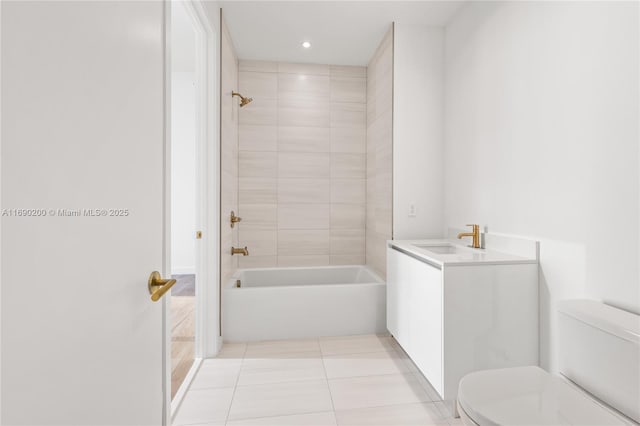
[{"x": 598, "y": 384}]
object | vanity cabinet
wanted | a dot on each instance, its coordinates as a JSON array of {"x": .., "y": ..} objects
[
  {"x": 455, "y": 319},
  {"x": 414, "y": 312}
]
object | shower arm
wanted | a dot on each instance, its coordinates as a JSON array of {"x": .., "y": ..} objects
[{"x": 243, "y": 100}]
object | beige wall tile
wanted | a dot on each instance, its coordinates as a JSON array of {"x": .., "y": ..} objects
[
  {"x": 383, "y": 222},
  {"x": 379, "y": 159},
  {"x": 258, "y": 84},
  {"x": 229, "y": 187},
  {"x": 347, "y": 259},
  {"x": 349, "y": 139},
  {"x": 348, "y": 165},
  {"x": 348, "y": 216},
  {"x": 350, "y": 191},
  {"x": 295, "y": 261},
  {"x": 312, "y": 69},
  {"x": 303, "y": 112},
  {"x": 262, "y": 111},
  {"x": 349, "y": 89},
  {"x": 377, "y": 253},
  {"x": 348, "y": 241},
  {"x": 259, "y": 242},
  {"x": 257, "y": 138},
  {"x": 303, "y": 165},
  {"x": 259, "y": 66},
  {"x": 347, "y": 71},
  {"x": 307, "y": 242},
  {"x": 258, "y": 164},
  {"x": 297, "y": 191},
  {"x": 291, "y": 191},
  {"x": 258, "y": 216},
  {"x": 229, "y": 142},
  {"x": 298, "y": 86},
  {"x": 257, "y": 261},
  {"x": 304, "y": 216},
  {"x": 258, "y": 190},
  {"x": 303, "y": 139},
  {"x": 345, "y": 114}
]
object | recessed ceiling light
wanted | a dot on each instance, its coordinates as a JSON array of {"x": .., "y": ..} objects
[{"x": 306, "y": 44}]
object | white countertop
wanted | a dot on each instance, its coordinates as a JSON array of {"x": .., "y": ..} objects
[{"x": 463, "y": 256}]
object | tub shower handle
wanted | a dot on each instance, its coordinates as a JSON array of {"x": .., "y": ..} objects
[
  {"x": 239, "y": 250},
  {"x": 234, "y": 219}
]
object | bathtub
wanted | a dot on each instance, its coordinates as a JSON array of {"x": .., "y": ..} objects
[{"x": 293, "y": 303}]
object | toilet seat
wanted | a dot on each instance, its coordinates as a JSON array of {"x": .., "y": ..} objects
[{"x": 528, "y": 396}]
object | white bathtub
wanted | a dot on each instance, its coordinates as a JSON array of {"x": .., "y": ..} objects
[{"x": 293, "y": 303}]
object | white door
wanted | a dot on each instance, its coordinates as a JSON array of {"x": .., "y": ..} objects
[{"x": 82, "y": 136}]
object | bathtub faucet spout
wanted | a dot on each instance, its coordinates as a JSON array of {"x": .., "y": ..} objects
[{"x": 239, "y": 250}]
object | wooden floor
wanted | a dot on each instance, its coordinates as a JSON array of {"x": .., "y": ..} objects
[{"x": 182, "y": 337}]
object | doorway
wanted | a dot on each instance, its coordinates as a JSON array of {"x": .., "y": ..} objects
[
  {"x": 184, "y": 203},
  {"x": 191, "y": 315}
]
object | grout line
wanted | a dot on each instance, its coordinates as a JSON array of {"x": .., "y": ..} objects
[
  {"x": 233, "y": 395},
  {"x": 370, "y": 351},
  {"x": 382, "y": 375},
  {"x": 277, "y": 415},
  {"x": 324, "y": 369}
]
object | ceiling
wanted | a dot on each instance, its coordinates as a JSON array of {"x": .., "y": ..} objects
[{"x": 341, "y": 32}]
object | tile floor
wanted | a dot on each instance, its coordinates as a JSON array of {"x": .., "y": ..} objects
[{"x": 354, "y": 380}]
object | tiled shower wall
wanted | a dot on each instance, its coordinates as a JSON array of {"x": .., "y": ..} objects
[
  {"x": 229, "y": 154},
  {"x": 302, "y": 164},
  {"x": 380, "y": 155}
]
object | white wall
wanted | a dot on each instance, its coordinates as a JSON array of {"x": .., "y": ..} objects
[
  {"x": 183, "y": 172},
  {"x": 542, "y": 141},
  {"x": 418, "y": 132}
]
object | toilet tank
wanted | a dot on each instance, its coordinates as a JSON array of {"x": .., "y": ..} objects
[{"x": 599, "y": 350}]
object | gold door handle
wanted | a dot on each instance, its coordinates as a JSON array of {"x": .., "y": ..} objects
[{"x": 157, "y": 286}]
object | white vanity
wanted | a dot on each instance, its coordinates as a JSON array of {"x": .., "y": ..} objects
[{"x": 455, "y": 309}]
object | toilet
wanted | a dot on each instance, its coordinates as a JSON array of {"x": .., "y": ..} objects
[{"x": 599, "y": 381}]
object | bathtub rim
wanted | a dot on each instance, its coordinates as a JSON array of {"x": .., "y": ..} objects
[{"x": 231, "y": 284}]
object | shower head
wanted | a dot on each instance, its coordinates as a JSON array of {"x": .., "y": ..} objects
[{"x": 243, "y": 101}]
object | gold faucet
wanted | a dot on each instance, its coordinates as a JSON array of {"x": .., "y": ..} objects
[
  {"x": 475, "y": 234},
  {"x": 239, "y": 250}
]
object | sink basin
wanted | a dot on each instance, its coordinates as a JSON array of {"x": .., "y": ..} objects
[{"x": 443, "y": 249}]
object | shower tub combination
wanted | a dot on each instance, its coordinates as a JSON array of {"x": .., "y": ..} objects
[{"x": 293, "y": 303}]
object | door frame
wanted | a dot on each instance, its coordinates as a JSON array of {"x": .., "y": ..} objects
[{"x": 207, "y": 339}]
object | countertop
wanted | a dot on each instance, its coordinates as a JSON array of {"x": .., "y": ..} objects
[{"x": 463, "y": 256}]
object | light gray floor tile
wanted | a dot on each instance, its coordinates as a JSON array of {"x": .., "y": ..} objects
[
  {"x": 428, "y": 388},
  {"x": 257, "y": 349},
  {"x": 282, "y": 368},
  {"x": 364, "y": 364},
  {"x": 313, "y": 419},
  {"x": 356, "y": 344},
  {"x": 375, "y": 391},
  {"x": 232, "y": 350},
  {"x": 204, "y": 406},
  {"x": 280, "y": 399},
  {"x": 217, "y": 373},
  {"x": 419, "y": 414}
]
